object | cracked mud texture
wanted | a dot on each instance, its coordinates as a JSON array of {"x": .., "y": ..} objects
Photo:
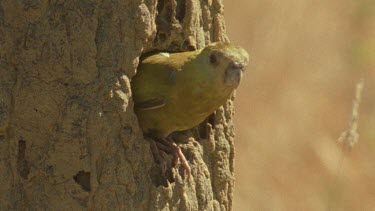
[{"x": 69, "y": 138}]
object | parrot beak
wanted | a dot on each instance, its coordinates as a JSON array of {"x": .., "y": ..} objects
[{"x": 233, "y": 74}]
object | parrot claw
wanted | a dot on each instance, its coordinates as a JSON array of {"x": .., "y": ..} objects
[
  {"x": 159, "y": 159},
  {"x": 168, "y": 146},
  {"x": 182, "y": 159}
]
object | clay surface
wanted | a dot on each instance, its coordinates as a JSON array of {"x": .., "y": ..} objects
[{"x": 69, "y": 139}]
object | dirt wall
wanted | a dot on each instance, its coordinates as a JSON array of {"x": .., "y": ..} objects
[{"x": 69, "y": 138}]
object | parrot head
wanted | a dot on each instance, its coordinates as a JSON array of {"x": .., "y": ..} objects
[{"x": 226, "y": 61}]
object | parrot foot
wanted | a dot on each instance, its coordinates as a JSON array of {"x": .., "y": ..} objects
[
  {"x": 168, "y": 146},
  {"x": 160, "y": 160},
  {"x": 180, "y": 157}
]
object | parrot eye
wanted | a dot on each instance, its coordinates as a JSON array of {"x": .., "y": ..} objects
[{"x": 213, "y": 58}]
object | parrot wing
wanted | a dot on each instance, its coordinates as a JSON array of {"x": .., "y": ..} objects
[
  {"x": 154, "y": 83},
  {"x": 150, "y": 104}
]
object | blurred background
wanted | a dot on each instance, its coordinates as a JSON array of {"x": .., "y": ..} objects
[{"x": 296, "y": 99}]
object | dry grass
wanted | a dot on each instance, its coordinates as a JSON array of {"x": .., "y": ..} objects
[
  {"x": 350, "y": 136},
  {"x": 295, "y": 101}
]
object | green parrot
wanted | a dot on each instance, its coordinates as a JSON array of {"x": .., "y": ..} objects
[{"x": 177, "y": 91}]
